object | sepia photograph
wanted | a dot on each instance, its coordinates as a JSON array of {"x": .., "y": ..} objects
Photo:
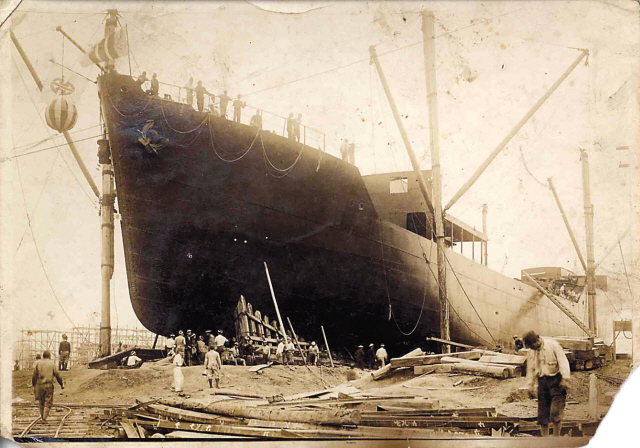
[{"x": 383, "y": 223}]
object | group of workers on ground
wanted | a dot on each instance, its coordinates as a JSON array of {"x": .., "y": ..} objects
[
  {"x": 348, "y": 151},
  {"x": 372, "y": 358}
]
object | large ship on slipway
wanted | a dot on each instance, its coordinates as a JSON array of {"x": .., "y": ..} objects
[{"x": 206, "y": 202}]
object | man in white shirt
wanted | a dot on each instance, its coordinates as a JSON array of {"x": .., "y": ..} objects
[
  {"x": 132, "y": 360},
  {"x": 280, "y": 351},
  {"x": 382, "y": 356},
  {"x": 212, "y": 366},
  {"x": 289, "y": 348},
  {"x": 220, "y": 341},
  {"x": 547, "y": 362},
  {"x": 169, "y": 345}
]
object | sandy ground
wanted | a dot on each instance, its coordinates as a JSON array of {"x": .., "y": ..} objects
[{"x": 122, "y": 387}]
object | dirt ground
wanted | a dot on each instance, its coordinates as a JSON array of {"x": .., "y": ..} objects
[{"x": 122, "y": 387}]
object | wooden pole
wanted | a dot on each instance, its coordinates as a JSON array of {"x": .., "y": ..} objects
[
  {"x": 405, "y": 138},
  {"x": 484, "y": 231},
  {"x": 59, "y": 28},
  {"x": 588, "y": 222},
  {"x": 275, "y": 302},
  {"x": 566, "y": 224},
  {"x": 514, "y": 131},
  {"x": 428, "y": 32},
  {"x": 326, "y": 344},
  {"x": 295, "y": 337},
  {"x": 593, "y": 397}
]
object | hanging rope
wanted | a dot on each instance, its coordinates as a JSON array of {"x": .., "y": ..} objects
[
  {"x": 285, "y": 170},
  {"x": 213, "y": 145},
  {"x": 206, "y": 118},
  {"x": 625, "y": 269}
]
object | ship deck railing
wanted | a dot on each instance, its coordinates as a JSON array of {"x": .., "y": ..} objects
[{"x": 271, "y": 122}]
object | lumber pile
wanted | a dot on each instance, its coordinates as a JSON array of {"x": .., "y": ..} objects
[
  {"x": 585, "y": 353},
  {"x": 392, "y": 417}
]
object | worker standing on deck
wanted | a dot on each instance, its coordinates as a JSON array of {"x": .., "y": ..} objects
[
  {"x": 212, "y": 366},
  {"x": 155, "y": 85},
  {"x": 344, "y": 149},
  {"x": 142, "y": 79},
  {"x": 64, "y": 350},
  {"x": 296, "y": 127},
  {"x": 256, "y": 120},
  {"x": 189, "y": 89},
  {"x": 180, "y": 343},
  {"x": 359, "y": 356},
  {"x": 382, "y": 356},
  {"x": 42, "y": 380},
  {"x": 238, "y": 104},
  {"x": 224, "y": 103},
  {"x": 313, "y": 354},
  {"x": 547, "y": 362},
  {"x": 200, "y": 91},
  {"x": 291, "y": 127}
]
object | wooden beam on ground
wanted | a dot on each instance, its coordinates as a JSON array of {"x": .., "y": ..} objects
[
  {"x": 129, "y": 430},
  {"x": 501, "y": 358},
  {"x": 432, "y": 359}
]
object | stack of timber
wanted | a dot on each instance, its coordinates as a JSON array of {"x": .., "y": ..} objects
[
  {"x": 585, "y": 353},
  {"x": 353, "y": 417},
  {"x": 478, "y": 362},
  {"x": 113, "y": 361}
]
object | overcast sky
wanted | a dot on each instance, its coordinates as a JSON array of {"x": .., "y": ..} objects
[{"x": 494, "y": 61}]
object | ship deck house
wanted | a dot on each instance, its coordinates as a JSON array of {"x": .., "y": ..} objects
[{"x": 397, "y": 199}]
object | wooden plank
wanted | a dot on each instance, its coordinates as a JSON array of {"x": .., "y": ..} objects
[
  {"x": 129, "y": 430},
  {"x": 260, "y": 367},
  {"x": 432, "y": 359},
  {"x": 502, "y": 358},
  {"x": 198, "y": 435},
  {"x": 386, "y": 370},
  {"x": 575, "y": 343},
  {"x": 424, "y": 370},
  {"x": 456, "y": 344},
  {"x": 188, "y": 415},
  {"x": 494, "y": 371}
]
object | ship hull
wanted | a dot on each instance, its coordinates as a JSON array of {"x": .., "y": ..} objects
[{"x": 205, "y": 203}]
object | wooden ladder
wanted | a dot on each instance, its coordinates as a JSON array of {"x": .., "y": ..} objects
[{"x": 563, "y": 308}]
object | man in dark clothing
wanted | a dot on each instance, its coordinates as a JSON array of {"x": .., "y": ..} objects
[
  {"x": 187, "y": 348},
  {"x": 155, "y": 85},
  {"x": 200, "y": 91},
  {"x": 291, "y": 127},
  {"x": 224, "y": 102},
  {"x": 238, "y": 104},
  {"x": 359, "y": 356},
  {"x": 142, "y": 79},
  {"x": 64, "y": 351},
  {"x": 42, "y": 380},
  {"x": 371, "y": 356},
  {"x": 256, "y": 120}
]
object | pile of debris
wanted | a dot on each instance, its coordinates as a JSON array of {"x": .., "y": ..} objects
[{"x": 477, "y": 362}]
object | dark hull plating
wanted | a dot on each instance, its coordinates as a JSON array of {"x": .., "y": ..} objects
[{"x": 203, "y": 213}]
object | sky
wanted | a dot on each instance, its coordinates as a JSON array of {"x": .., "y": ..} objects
[{"x": 494, "y": 60}]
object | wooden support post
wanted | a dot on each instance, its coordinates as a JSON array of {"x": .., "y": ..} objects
[
  {"x": 484, "y": 230},
  {"x": 259, "y": 327},
  {"x": 326, "y": 344},
  {"x": 593, "y": 397},
  {"x": 252, "y": 324},
  {"x": 275, "y": 302},
  {"x": 295, "y": 337},
  {"x": 267, "y": 330},
  {"x": 242, "y": 318}
]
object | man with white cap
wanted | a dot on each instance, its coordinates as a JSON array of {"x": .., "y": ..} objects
[
  {"x": 382, "y": 356},
  {"x": 180, "y": 343},
  {"x": 313, "y": 354}
]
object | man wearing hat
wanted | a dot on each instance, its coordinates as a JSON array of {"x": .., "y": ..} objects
[
  {"x": 313, "y": 354},
  {"x": 212, "y": 367},
  {"x": 169, "y": 345},
  {"x": 64, "y": 350},
  {"x": 187, "y": 349},
  {"x": 133, "y": 361},
  {"x": 42, "y": 380},
  {"x": 371, "y": 357},
  {"x": 359, "y": 356},
  {"x": 382, "y": 356},
  {"x": 220, "y": 341},
  {"x": 180, "y": 343},
  {"x": 202, "y": 349},
  {"x": 266, "y": 351}
]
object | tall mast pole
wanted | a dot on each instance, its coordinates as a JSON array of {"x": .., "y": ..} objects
[
  {"x": 484, "y": 230},
  {"x": 106, "y": 212},
  {"x": 428, "y": 26},
  {"x": 567, "y": 225},
  {"x": 414, "y": 161},
  {"x": 588, "y": 222}
]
